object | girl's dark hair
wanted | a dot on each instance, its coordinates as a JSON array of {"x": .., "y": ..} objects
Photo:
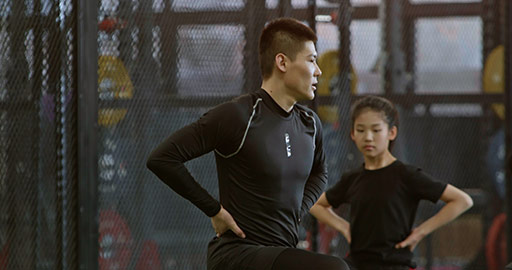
[{"x": 377, "y": 104}]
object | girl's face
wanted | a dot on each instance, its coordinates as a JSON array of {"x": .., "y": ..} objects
[{"x": 372, "y": 134}]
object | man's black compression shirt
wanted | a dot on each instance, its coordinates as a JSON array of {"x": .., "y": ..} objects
[{"x": 270, "y": 163}]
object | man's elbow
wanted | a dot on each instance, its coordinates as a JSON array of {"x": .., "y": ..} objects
[{"x": 152, "y": 163}]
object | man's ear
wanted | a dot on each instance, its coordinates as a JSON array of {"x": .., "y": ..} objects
[{"x": 281, "y": 62}]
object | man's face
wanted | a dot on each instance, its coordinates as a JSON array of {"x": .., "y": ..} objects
[{"x": 302, "y": 74}]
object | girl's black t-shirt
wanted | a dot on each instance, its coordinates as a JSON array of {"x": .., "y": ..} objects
[{"x": 383, "y": 205}]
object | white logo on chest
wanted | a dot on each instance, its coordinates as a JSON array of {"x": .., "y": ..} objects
[{"x": 288, "y": 145}]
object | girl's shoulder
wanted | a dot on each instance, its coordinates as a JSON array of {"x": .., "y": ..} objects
[
  {"x": 409, "y": 169},
  {"x": 415, "y": 173},
  {"x": 352, "y": 174}
]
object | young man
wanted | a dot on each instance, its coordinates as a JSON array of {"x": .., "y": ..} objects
[{"x": 270, "y": 160}]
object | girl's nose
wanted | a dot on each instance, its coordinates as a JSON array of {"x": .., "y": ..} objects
[{"x": 367, "y": 136}]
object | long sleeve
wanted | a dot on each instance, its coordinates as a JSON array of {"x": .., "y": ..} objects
[
  {"x": 317, "y": 180},
  {"x": 167, "y": 160}
]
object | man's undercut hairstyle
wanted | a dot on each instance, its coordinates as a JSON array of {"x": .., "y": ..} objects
[{"x": 284, "y": 35}]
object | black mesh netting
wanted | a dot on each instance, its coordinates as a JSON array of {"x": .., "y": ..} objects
[{"x": 163, "y": 63}]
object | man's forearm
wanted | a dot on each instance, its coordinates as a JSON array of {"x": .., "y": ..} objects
[{"x": 314, "y": 188}]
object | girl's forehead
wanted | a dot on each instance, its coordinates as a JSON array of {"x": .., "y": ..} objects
[
  {"x": 379, "y": 123},
  {"x": 369, "y": 114}
]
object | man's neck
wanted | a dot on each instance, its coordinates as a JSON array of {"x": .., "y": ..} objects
[{"x": 277, "y": 91}]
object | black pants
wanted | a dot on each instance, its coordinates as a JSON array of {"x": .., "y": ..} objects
[
  {"x": 298, "y": 259},
  {"x": 368, "y": 266},
  {"x": 230, "y": 252}
]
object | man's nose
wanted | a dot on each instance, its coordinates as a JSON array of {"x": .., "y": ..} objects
[{"x": 318, "y": 71}]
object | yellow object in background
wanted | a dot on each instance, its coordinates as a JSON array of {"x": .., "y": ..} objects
[
  {"x": 329, "y": 64},
  {"x": 113, "y": 83},
  {"x": 494, "y": 77}
]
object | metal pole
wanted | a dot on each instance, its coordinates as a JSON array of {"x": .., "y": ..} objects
[
  {"x": 508, "y": 124},
  {"x": 285, "y": 8},
  {"x": 256, "y": 16},
  {"x": 393, "y": 63},
  {"x": 86, "y": 84},
  {"x": 409, "y": 48}
]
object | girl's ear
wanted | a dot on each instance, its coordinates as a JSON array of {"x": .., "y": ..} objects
[
  {"x": 393, "y": 132},
  {"x": 352, "y": 135}
]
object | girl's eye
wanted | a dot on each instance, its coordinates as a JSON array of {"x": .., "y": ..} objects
[
  {"x": 377, "y": 130},
  {"x": 359, "y": 130}
]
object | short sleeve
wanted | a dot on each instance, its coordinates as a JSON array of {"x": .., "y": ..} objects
[
  {"x": 424, "y": 186},
  {"x": 336, "y": 195}
]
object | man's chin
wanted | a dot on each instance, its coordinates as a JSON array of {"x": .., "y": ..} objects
[{"x": 307, "y": 97}]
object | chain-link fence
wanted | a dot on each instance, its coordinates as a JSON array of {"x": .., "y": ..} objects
[
  {"x": 163, "y": 63},
  {"x": 37, "y": 78}
]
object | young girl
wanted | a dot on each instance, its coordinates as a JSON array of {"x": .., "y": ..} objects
[{"x": 384, "y": 194}]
